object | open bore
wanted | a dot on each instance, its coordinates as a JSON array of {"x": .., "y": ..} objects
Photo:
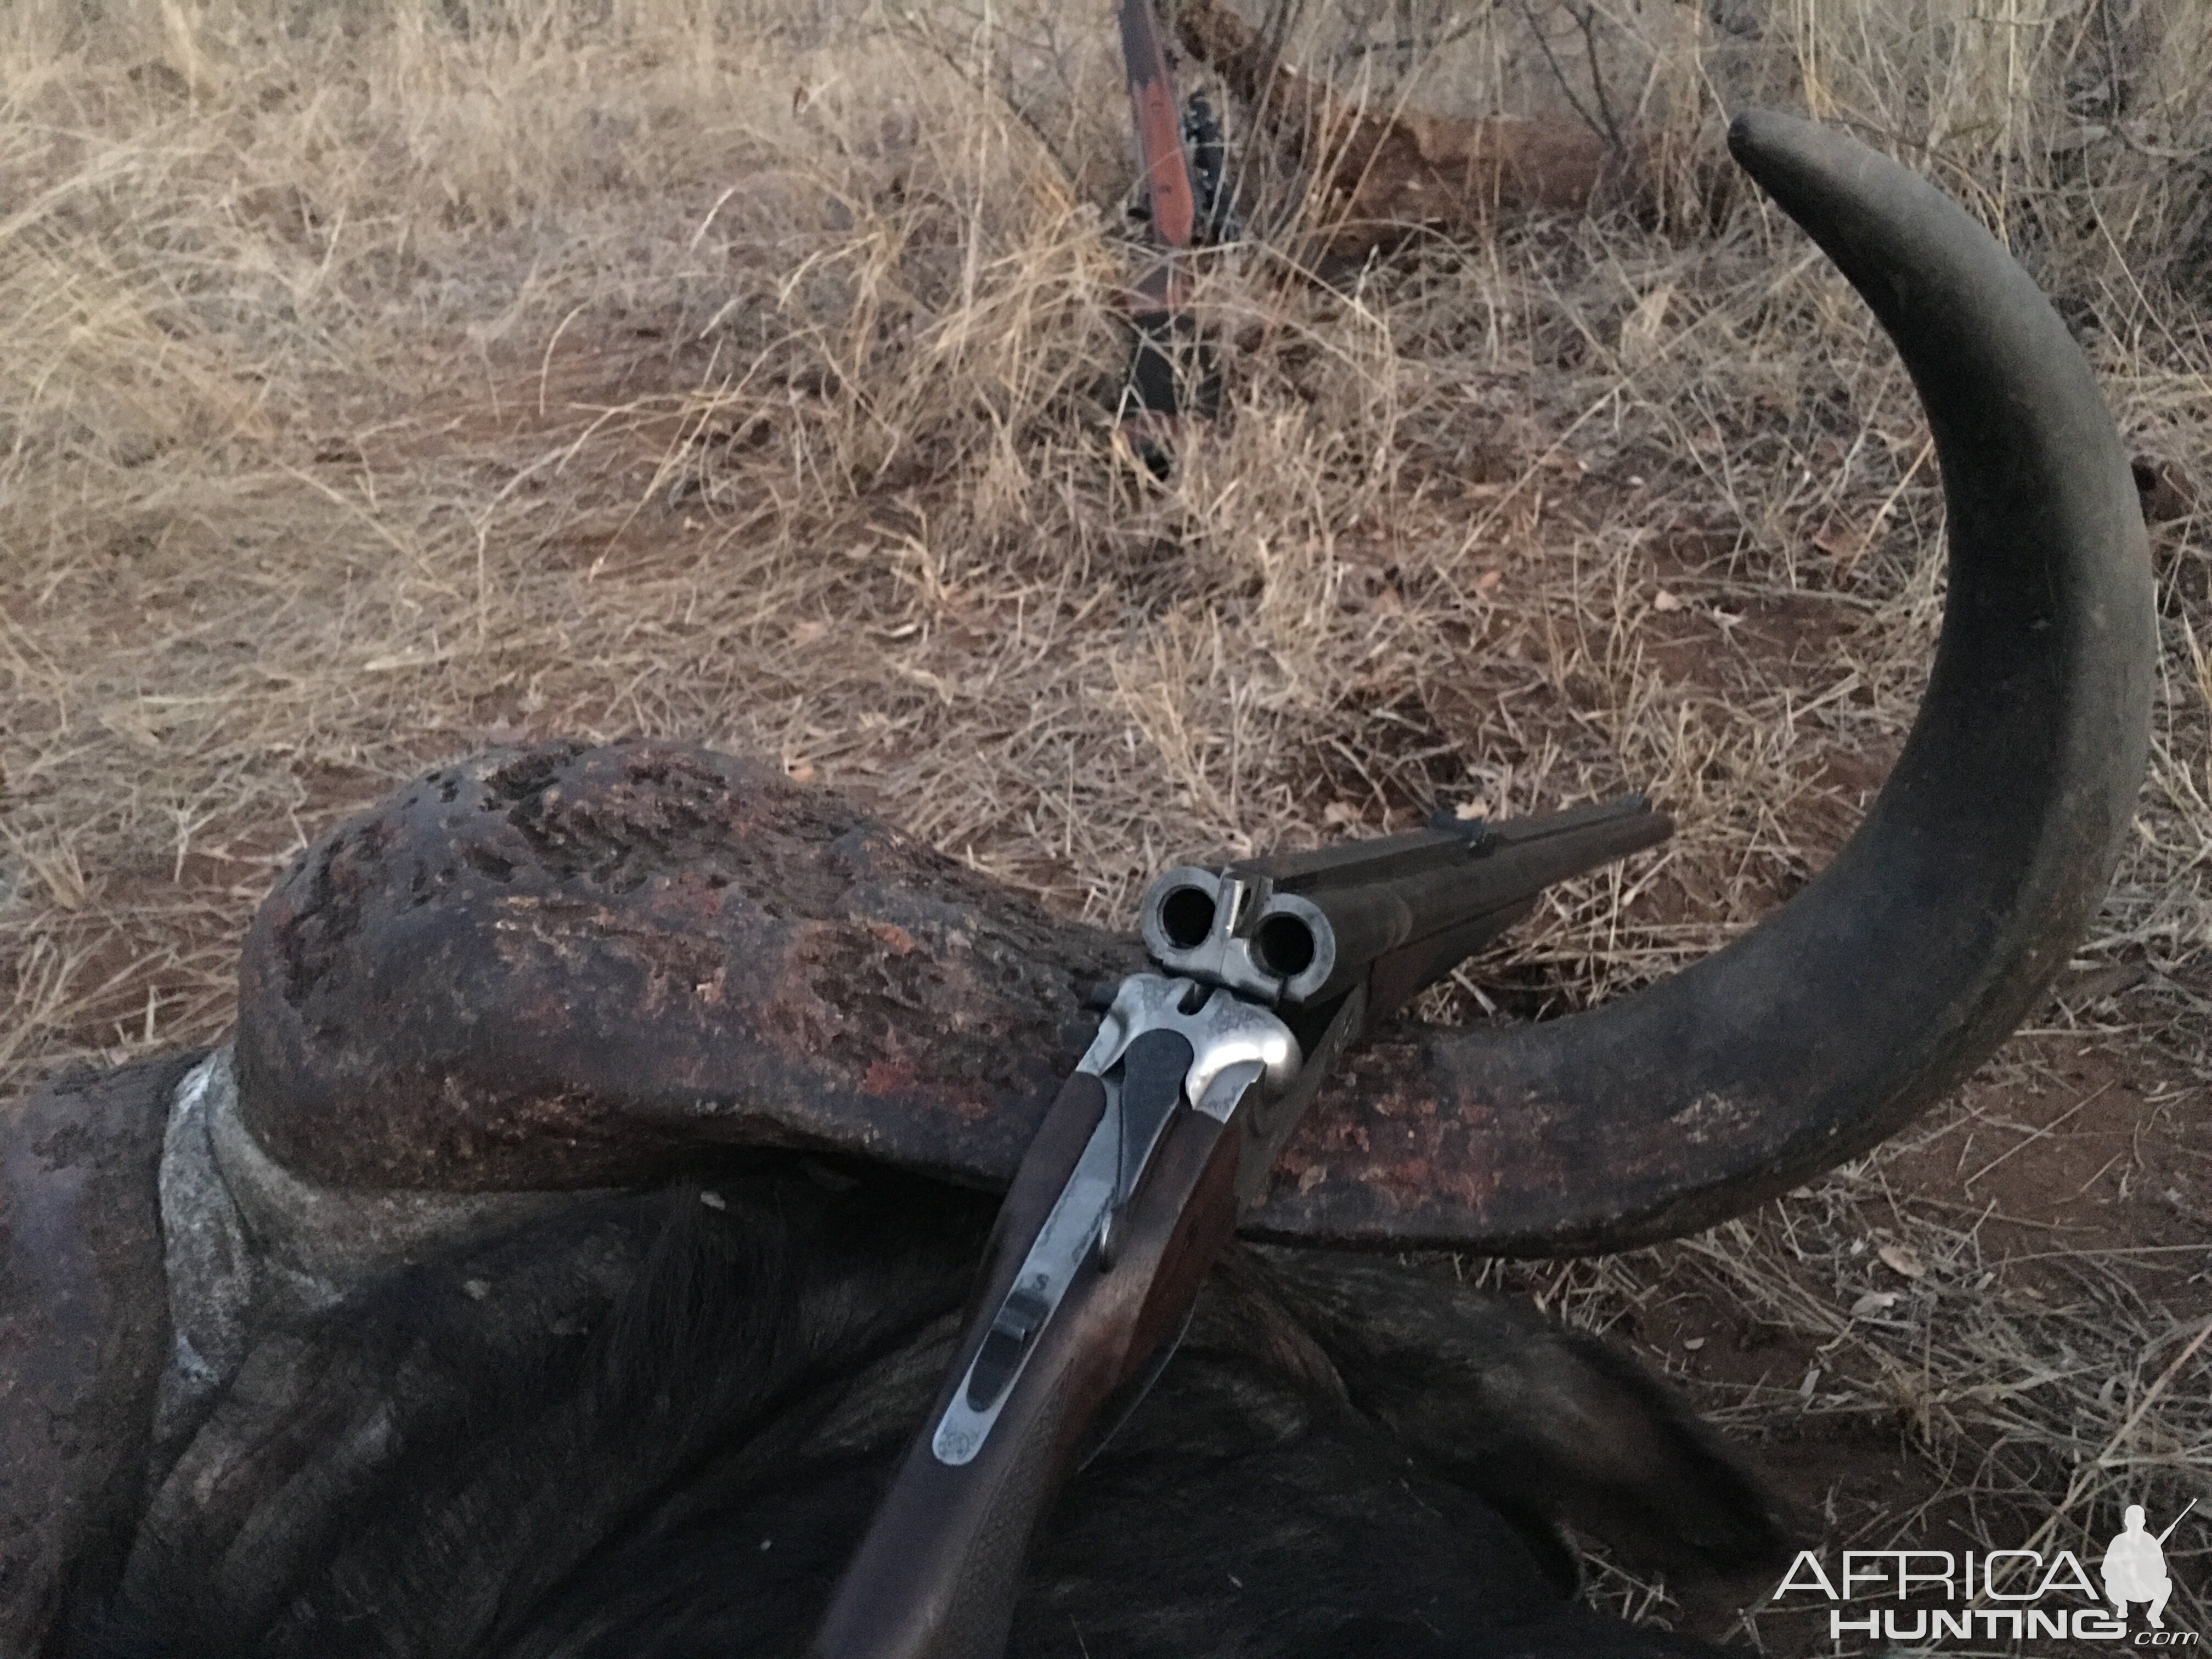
[
  {"x": 1186, "y": 917},
  {"x": 1283, "y": 946}
]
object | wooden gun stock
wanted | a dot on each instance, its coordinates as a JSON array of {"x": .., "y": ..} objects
[
  {"x": 938, "y": 1571},
  {"x": 1158, "y": 119}
]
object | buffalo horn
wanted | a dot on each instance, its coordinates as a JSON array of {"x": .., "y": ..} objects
[{"x": 1934, "y": 931}]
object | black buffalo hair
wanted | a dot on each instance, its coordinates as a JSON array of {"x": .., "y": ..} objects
[{"x": 655, "y": 1429}]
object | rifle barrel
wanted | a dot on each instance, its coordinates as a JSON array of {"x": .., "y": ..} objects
[
  {"x": 1303, "y": 928},
  {"x": 2176, "y": 1522}
]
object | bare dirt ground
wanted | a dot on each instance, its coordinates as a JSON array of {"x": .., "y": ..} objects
[{"x": 383, "y": 383}]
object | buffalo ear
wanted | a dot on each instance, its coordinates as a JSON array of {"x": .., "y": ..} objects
[
  {"x": 84, "y": 1331},
  {"x": 1547, "y": 1425}
]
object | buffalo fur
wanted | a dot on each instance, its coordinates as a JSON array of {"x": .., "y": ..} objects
[{"x": 657, "y": 1428}]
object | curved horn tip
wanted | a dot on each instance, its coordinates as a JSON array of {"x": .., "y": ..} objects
[
  {"x": 1754, "y": 135},
  {"x": 1748, "y": 130},
  {"x": 1811, "y": 168}
]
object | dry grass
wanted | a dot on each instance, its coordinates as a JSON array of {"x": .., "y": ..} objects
[
  {"x": 383, "y": 379},
  {"x": 2029, "y": 1392}
]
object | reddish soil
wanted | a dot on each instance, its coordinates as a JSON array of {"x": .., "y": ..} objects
[{"x": 2088, "y": 1146}]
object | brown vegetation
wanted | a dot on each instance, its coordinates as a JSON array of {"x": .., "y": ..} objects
[
  {"x": 1382, "y": 175},
  {"x": 382, "y": 380}
]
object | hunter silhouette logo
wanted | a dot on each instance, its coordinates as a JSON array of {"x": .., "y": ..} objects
[{"x": 2134, "y": 1565}]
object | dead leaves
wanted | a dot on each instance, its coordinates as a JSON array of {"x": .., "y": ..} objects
[
  {"x": 1643, "y": 330},
  {"x": 1902, "y": 1258}
]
